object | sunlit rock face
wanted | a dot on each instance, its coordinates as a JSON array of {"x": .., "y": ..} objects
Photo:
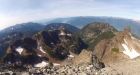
[
  {"x": 131, "y": 46},
  {"x": 122, "y": 46}
]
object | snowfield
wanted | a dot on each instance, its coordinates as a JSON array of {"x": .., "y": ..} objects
[{"x": 130, "y": 51}]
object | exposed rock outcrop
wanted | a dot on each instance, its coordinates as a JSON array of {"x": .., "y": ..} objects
[
  {"x": 122, "y": 46},
  {"x": 59, "y": 43},
  {"x": 22, "y": 52},
  {"x": 84, "y": 57}
]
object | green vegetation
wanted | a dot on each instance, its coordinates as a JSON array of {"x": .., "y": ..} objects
[
  {"x": 48, "y": 50},
  {"x": 115, "y": 50},
  {"x": 105, "y": 35}
]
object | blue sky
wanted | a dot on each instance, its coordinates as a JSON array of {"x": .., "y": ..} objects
[{"x": 19, "y": 11}]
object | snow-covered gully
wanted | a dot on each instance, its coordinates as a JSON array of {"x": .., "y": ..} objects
[{"x": 129, "y": 51}]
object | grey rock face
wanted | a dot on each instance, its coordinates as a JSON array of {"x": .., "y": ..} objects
[{"x": 96, "y": 63}]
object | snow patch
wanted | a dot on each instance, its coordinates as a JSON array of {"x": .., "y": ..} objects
[
  {"x": 56, "y": 64},
  {"x": 39, "y": 55},
  {"x": 19, "y": 50},
  {"x": 71, "y": 56},
  {"x": 42, "y": 64},
  {"x": 62, "y": 33},
  {"x": 69, "y": 34},
  {"x": 52, "y": 43},
  {"x": 41, "y": 49},
  {"x": 125, "y": 42},
  {"x": 131, "y": 52}
]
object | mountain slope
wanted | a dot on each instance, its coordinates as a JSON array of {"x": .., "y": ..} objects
[
  {"x": 108, "y": 44},
  {"x": 122, "y": 46},
  {"x": 93, "y": 33},
  {"x": 59, "y": 43},
  {"x": 16, "y": 32},
  {"x": 43, "y": 47}
]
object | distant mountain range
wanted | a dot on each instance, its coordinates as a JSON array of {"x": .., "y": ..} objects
[
  {"x": 56, "y": 26},
  {"x": 118, "y": 23},
  {"x": 29, "y": 28},
  {"x": 81, "y": 21},
  {"x": 34, "y": 44}
]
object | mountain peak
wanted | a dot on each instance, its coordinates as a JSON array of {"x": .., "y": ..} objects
[
  {"x": 97, "y": 31},
  {"x": 58, "y": 26}
]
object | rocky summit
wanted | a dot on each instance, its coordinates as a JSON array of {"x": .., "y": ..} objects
[{"x": 62, "y": 49}]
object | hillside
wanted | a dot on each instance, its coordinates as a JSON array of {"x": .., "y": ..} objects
[{"x": 93, "y": 33}]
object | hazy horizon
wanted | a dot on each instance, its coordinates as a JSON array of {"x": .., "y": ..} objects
[{"x": 15, "y": 11}]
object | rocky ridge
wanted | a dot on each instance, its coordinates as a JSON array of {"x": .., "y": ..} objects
[{"x": 106, "y": 47}]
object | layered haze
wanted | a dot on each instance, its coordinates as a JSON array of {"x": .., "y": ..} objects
[{"x": 14, "y": 11}]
